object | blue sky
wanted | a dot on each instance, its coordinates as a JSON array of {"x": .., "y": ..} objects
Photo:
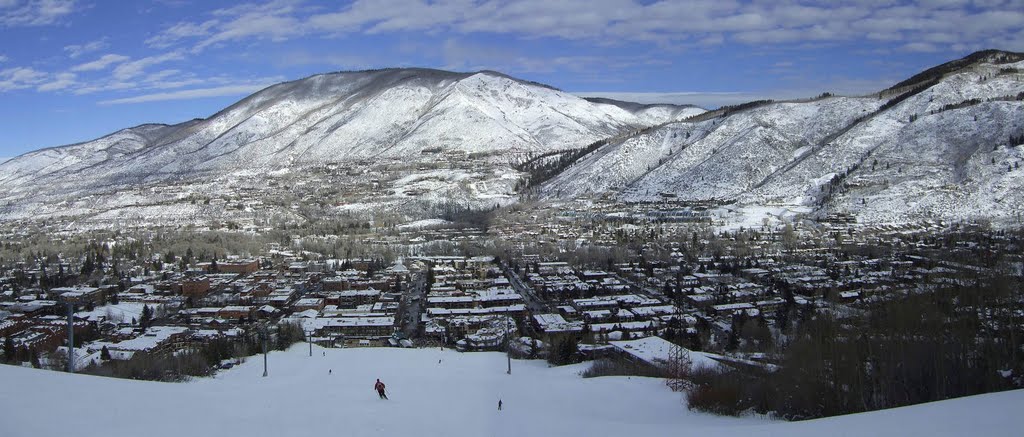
[{"x": 74, "y": 70}]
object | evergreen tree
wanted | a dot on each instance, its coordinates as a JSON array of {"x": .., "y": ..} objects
[
  {"x": 88, "y": 266},
  {"x": 9, "y": 350},
  {"x": 563, "y": 351},
  {"x": 147, "y": 317}
]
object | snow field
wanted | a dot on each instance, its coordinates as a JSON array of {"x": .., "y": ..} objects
[{"x": 454, "y": 397}]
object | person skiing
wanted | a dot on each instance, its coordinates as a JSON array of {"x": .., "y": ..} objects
[
  {"x": 499, "y": 404},
  {"x": 379, "y": 386}
]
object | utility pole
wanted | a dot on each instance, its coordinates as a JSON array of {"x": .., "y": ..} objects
[
  {"x": 309, "y": 339},
  {"x": 263, "y": 335},
  {"x": 71, "y": 337},
  {"x": 508, "y": 351}
]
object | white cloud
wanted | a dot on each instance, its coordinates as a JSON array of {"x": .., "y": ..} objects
[
  {"x": 76, "y": 50},
  {"x": 942, "y": 23},
  {"x": 34, "y": 12},
  {"x": 20, "y": 77},
  {"x": 671, "y": 25},
  {"x": 131, "y": 69},
  {"x": 293, "y": 58},
  {"x": 161, "y": 75},
  {"x": 112, "y": 85},
  {"x": 272, "y": 27},
  {"x": 276, "y": 21},
  {"x": 102, "y": 63},
  {"x": 227, "y": 90},
  {"x": 919, "y": 47},
  {"x": 181, "y": 31},
  {"x": 3, "y": 58},
  {"x": 712, "y": 40},
  {"x": 471, "y": 56},
  {"x": 178, "y": 83},
  {"x": 60, "y": 81}
]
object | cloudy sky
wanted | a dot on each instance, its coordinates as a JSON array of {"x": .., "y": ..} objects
[{"x": 74, "y": 70}]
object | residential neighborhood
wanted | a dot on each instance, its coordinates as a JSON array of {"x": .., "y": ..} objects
[{"x": 521, "y": 292}]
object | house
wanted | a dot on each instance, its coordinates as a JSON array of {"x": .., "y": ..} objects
[
  {"x": 660, "y": 353},
  {"x": 233, "y": 312},
  {"x": 352, "y": 298},
  {"x": 266, "y": 311},
  {"x": 239, "y": 266},
  {"x": 363, "y": 327},
  {"x": 849, "y": 296},
  {"x": 156, "y": 339},
  {"x": 554, "y": 323},
  {"x": 309, "y": 303},
  {"x": 35, "y": 308},
  {"x": 196, "y": 288},
  {"x": 79, "y": 295},
  {"x": 769, "y": 305},
  {"x": 594, "y": 304},
  {"x": 731, "y": 308},
  {"x": 335, "y": 284}
]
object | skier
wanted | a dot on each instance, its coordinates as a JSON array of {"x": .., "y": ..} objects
[
  {"x": 379, "y": 386},
  {"x": 499, "y": 404}
]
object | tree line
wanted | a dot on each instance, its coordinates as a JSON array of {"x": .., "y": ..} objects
[{"x": 959, "y": 340}]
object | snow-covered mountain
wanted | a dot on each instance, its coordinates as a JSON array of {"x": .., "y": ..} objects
[
  {"x": 338, "y": 117},
  {"x": 943, "y": 145},
  {"x": 652, "y": 114},
  {"x": 403, "y": 115}
]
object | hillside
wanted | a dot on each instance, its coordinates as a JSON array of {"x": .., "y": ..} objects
[
  {"x": 417, "y": 144},
  {"x": 365, "y": 118},
  {"x": 652, "y": 114},
  {"x": 941, "y": 147},
  {"x": 455, "y": 396}
]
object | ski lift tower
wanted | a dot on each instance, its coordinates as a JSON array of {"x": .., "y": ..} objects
[
  {"x": 70, "y": 301},
  {"x": 508, "y": 346}
]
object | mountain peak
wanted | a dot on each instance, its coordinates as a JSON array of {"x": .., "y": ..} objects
[
  {"x": 523, "y": 81},
  {"x": 989, "y": 56}
]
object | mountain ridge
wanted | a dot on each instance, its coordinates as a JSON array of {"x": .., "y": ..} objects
[
  {"x": 758, "y": 156},
  {"x": 380, "y": 118},
  {"x": 401, "y": 126}
]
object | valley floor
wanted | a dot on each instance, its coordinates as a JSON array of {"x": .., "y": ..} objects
[{"x": 433, "y": 393}]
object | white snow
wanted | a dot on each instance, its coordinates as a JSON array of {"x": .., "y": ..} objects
[
  {"x": 904, "y": 164},
  {"x": 446, "y": 137},
  {"x": 658, "y": 351},
  {"x": 122, "y": 312},
  {"x": 433, "y": 393},
  {"x": 392, "y": 119}
]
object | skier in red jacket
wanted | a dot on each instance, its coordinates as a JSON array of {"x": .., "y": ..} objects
[{"x": 379, "y": 386}]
